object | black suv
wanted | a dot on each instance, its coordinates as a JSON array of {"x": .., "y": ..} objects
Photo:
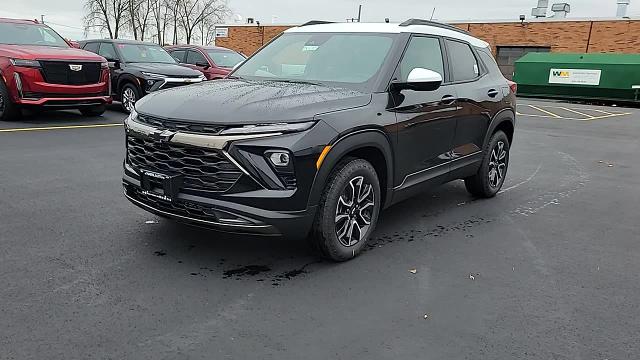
[
  {"x": 321, "y": 129},
  {"x": 139, "y": 68}
]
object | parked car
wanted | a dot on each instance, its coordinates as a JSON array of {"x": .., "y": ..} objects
[
  {"x": 139, "y": 68},
  {"x": 214, "y": 62},
  {"x": 322, "y": 129},
  {"x": 38, "y": 69}
]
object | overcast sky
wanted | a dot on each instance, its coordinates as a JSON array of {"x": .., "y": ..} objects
[{"x": 66, "y": 15}]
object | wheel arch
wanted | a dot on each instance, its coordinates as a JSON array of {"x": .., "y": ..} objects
[
  {"x": 503, "y": 120},
  {"x": 128, "y": 79},
  {"x": 372, "y": 145}
]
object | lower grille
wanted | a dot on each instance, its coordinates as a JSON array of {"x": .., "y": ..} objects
[
  {"x": 38, "y": 95},
  {"x": 60, "y": 72},
  {"x": 202, "y": 169},
  {"x": 182, "y": 208}
]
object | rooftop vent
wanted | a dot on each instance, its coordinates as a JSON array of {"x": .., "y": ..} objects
[
  {"x": 541, "y": 10},
  {"x": 623, "y": 6},
  {"x": 560, "y": 10}
]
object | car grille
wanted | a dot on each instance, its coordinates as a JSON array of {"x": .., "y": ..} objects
[
  {"x": 179, "y": 125},
  {"x": 203, "y": 169},
  {"x": 59, "y": 72}
]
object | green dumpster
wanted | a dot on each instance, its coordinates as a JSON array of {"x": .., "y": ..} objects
[{"x": 579, "y": 76}]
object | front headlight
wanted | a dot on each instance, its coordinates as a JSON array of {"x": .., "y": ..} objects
[
  {"x": 25, "y": 63},
  {"x": 153, "y": 75},
  {"x": 268, "y": 128}
]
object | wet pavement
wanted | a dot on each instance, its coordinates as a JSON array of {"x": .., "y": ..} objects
[{"x": 546, "y": 270}]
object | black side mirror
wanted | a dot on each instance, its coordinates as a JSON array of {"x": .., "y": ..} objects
[
  {"x": 114, "y": 63},
  {"x": 203, "y": 65},
  {"x": 419, "y": 79}
]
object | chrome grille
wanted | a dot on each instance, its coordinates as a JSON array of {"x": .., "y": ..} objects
[{"x": 203, "y": 169}]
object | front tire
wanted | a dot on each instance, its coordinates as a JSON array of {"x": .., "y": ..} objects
[
  {"x": 128, "y": 96},
  {"x": 93, "y": 110},
  {"x": 493, "y": 170},
  {"x": 348, "y": 210},
  {"x": 8, "y": 110}
]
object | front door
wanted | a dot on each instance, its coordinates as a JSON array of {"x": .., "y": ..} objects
[{"x": 426, "y": 119}]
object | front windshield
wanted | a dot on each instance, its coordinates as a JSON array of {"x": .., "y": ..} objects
[
  {"x": 27, "y": 34},
  {"x": 225, "y": 58},
  {"x": 349, "y": 60},
  {"x": 143, "y": 53}
]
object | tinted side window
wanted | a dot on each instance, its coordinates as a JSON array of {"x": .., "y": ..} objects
[
  {"x": 423, "y": 52},
  {"x": 178, "y": 55},
  {"x": 107, "y": 51},
  {"x": 93, "y": 47},
  {"x": 195, "y": 57},
  {"x": 464, "y": 65}
]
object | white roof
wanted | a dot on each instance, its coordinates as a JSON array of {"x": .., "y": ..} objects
[{"x": 388, "y": 29}]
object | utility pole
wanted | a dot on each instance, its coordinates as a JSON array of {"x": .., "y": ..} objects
[{"x": 359, "y": 12}]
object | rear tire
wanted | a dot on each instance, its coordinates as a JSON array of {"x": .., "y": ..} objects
[
  {"x": 93, "y": 110},
  {"x": 8, "y": 110},
  {"x": 493, "y": 170},
  {"x": 348, "y": 210}
]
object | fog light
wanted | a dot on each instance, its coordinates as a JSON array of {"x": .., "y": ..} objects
[
  {"x": 150, "y": 82},
  {"x": 279, "y": 158}
]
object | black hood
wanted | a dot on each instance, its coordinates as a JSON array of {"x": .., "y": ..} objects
[
  {"x": 164, "y": 69},
  {"x": 249, "y": 102}
]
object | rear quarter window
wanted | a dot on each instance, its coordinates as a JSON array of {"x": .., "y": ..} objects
[{"x": 464, "y": 66}]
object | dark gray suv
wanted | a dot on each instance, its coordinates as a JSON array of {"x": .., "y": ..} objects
[{"x": 323, "y": 128}]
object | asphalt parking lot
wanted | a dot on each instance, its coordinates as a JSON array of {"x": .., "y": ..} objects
[{"x": 547, "y": 270}]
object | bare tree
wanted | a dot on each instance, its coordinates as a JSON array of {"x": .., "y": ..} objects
[
  {"x": 192, "y": 13},
  {"x": 173, "y": 16},
  {"x": 206, "y": 31},
  {"x": 160, "y": 13},
  {"x": 138, "y": 14},
  {"x": 104, "y": 15}
]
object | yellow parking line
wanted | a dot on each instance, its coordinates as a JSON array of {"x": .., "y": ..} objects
[
  {"x": 552, "y": 117},
  {"x": 608, "y": 116},
  {"x": 60, "y": 127},
  {"x": 544, "y": 111},
  {"x": 602, "y": 111},
  {"x": 577, "y": 112}
]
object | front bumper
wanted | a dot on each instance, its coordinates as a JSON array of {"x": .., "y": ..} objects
[
  {"x": 218, "y": 214},
  {"x": 206, "y": 180},
  {"x": 30, "y": 89}
]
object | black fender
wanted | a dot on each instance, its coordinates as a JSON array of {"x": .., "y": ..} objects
[
  {"x": 345, "y": 144},
  {"x": 128, "y": 78},
  {"x": 501, "y": 116}
]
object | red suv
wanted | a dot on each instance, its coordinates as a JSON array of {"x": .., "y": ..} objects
[
  {"x": 38, "y": 68},
  {"x": 214, "y": 62}
]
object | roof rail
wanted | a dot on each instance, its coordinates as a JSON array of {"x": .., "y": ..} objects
[
  {"x": 317, "y": 22},
  {"x": 434, "y": 24}
]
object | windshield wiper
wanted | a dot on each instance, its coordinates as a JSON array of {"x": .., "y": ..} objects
[{"x": 291, "y": 81}]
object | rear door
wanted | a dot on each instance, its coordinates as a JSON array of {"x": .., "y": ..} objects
[
  {"x": 426, "y": 119},
  {"x": 478, "y": 95}
]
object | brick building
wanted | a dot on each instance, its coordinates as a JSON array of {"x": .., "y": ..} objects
[{"x": 509, "y": 40}]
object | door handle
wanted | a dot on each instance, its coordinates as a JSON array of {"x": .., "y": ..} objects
[
  {"x": 493, "y": 93},
  {"x": 448, "y": 99}
]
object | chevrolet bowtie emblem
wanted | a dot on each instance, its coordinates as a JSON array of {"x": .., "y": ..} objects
[
  {"x": 162, "y": 135},
  {"x": 75, "y": 67}
]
